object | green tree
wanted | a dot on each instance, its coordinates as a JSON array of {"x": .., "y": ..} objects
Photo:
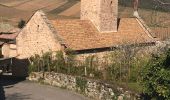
[
  {"x": 21, "y": 23},
  {"x": 155, "y": 77}
]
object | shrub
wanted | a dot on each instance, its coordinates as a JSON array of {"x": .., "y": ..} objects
[
  {"x": 81, "y": 83},
  {"x": 59, "y": 62},
  {"x": 155, "y": 77},
  {"x": 70, "y": 61},
  {"x": 122, "y": 60},
  {"x": 34, "y": 63},
  {"x": 21, "y": 23}
]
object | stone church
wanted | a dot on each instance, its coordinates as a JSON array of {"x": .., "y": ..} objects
[{"x": 98, "y": 30}]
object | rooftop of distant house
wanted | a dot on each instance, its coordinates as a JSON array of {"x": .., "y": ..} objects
[{"x": 7, "y": 31}]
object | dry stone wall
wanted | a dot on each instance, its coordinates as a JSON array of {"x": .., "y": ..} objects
[
  {"x": 37, "y": 37},
  {"x": 92, "y": 88}
]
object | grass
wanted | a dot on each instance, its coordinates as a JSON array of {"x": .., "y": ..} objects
[
  {"x": 133, "y": 86},
  {"x": 148, "y": 4}
]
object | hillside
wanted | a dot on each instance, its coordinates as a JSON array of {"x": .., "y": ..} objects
[
  {"x": 6, "y": 11},
  {"x": 161, "y": 5}
]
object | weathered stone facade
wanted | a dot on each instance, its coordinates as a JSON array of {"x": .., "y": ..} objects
[
  {"x": 103, "y": 14},
  {"x": 9, "y": 50},
  {"x": 93, "y": 88},
  {"x": 37, "y": 37},
  {"x": 106, "y": 56}
]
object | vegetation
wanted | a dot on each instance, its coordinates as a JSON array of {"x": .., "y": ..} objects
[
  {"x": 155, "y": 77},
  {"x": 121, "y": 66},
  {"x": 21, "y": 23},
  {"x": 62, "y": 64},
  {"x": 148, "y": 4},
  {"x": 81, "y": 83},
  {"x": 140, "y": 73}
]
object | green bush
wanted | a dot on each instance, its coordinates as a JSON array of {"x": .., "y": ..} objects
[
  {"x": 123, "y": 66},
  {"x": 81, "y": 83},
  {"x": 63, "y": 64},
  {"x": 120, "y": 68},
  {"x": 21, "y": 23},
  {"x": 155, "y": 77},
  {"x": 34, "y": 64},
  {"x": 59, "y": 63},
  {"x": 91, "y": 65}
]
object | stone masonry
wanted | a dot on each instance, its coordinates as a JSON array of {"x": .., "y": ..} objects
[
  {"x": 94, "y": 89},
  {"x": 37, "y": 37},
  {"x": 103, "y": 14},
  {"x": 9, "y": 50}
]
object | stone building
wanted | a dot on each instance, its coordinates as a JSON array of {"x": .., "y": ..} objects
[
  {"x": 8, "y": 35},
  {"x": 97, "y": 31},
  {"x": 103, "y": 14}
]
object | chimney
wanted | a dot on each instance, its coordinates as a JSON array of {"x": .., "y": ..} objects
[{"x": 102, "y": 13}]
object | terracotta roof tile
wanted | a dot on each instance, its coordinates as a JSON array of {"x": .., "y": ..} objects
[
  {"x": 82, "y": 34},
  {"x": 9, "y": 36}
]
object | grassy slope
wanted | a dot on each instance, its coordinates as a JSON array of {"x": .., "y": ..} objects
[
  {"x": 64, "y": 7},
  {"x": 6, "y": 11},
  {"x": 148, "y": 4}
]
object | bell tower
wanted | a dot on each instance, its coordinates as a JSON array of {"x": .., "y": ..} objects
[{"x": 102, "y": 13}]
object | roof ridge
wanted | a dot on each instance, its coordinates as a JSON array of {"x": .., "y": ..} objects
[
  {"x": 146, "y": 28},
  {"x": 53, "y": 30}
]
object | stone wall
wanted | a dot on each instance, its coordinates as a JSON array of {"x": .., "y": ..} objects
[
  {"x": 9, "y": 50},
  {"x": 106, "y": 56},
  {"x": 5, "y": 50},
  {"x": 92, "y": 88},
  {"x": 100, "y": 57},
  {"x": 37, "y": 37},
  {"x": 103, "y": 14}
]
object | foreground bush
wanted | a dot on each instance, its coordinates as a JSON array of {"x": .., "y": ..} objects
[{"x": 155, "y": 77}]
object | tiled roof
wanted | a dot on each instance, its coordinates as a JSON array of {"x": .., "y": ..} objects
[
  {"x": 82, "y": 34},
  {"x": 9, "y": 36}
]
